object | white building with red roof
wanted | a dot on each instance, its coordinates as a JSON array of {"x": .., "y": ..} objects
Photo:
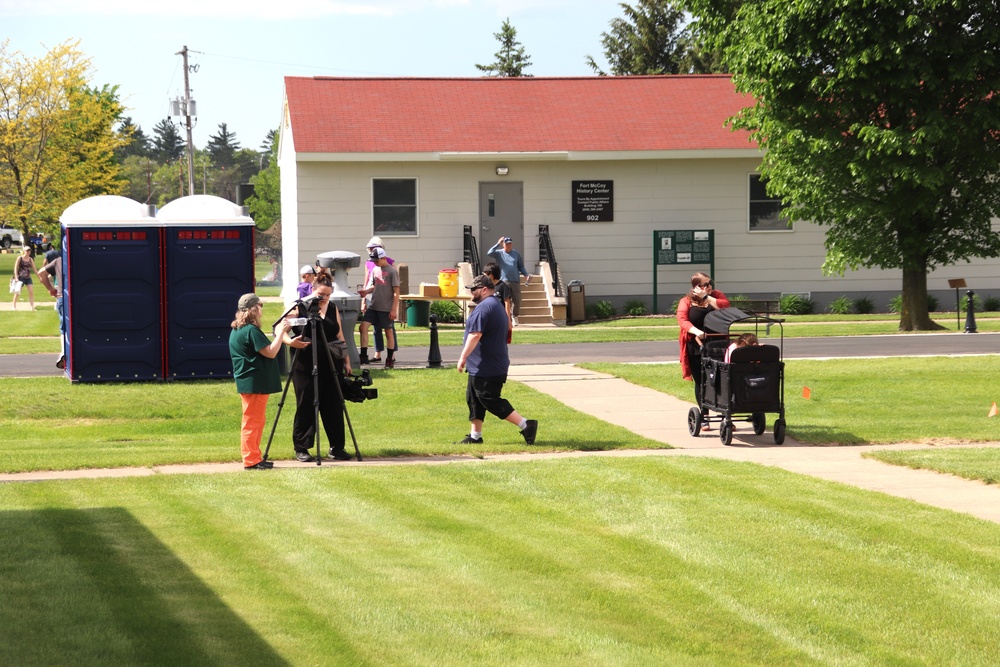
[{"x": 609, "y": 166}]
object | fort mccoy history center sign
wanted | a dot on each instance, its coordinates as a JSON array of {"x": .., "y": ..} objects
[
  {"x": 593, "y": 201},
  {"x": 680, "y": 247}
]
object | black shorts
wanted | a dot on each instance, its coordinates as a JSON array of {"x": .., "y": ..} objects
[
  {"x": 379, "y": 318},
  {"x": 483, "y": 395}
]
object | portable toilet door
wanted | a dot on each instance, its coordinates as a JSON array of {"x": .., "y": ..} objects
[
  {"x": 209, "y": 264},
  {"x": 111, "y": 291}
]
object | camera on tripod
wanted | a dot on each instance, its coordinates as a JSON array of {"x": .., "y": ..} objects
[{"x": 357, "y": 388}]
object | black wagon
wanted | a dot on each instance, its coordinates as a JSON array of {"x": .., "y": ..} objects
[{"x": 747, "y": 387}]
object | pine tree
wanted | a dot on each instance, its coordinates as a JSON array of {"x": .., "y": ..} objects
[
  {"x": 222, "y": 147},
  {"x": 511, "y": 59},
  {"x": 650, "y": 39},
  {"x": 167, "y": 142}
]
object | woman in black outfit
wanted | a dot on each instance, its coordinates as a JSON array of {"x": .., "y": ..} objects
[
  {"x": 691, "y": 311},
  {"x": 330, "y": 406}
]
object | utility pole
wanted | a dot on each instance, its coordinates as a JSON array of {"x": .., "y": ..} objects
[{"x": 187, "y": 119}]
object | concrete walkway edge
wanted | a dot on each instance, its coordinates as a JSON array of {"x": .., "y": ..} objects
[{"x": 662, "y": 418}]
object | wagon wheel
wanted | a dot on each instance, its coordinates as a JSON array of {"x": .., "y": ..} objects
[
  {"x": 726, "y": 432},
  {"x": 759, "y": 420},
  {"x": 779, "y": 431},
  {"x": 694, "y": 421}
]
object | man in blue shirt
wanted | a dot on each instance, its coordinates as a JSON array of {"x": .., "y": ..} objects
[
  {"x": 484, "y": 355},
  {"x": 511, "y": 270}
]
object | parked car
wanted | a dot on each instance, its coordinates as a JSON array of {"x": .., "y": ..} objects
[{"x": 9, "y": 235}]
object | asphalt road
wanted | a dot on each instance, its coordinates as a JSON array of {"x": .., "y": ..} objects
[{"x": 900, "y": 345}]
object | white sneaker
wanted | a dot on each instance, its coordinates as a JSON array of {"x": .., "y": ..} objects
[{"x": 515, "y": 321}]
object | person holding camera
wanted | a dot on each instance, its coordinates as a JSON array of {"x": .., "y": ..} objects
[
  {"x": 256, "y": 373},
  {"x": 331, "y": 408},
  {"x": 691, "y": 311}
]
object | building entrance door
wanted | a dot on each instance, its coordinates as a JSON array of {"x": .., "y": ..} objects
[{"x": 501, "y": 213}]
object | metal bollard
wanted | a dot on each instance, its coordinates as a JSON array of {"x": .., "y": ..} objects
[
  {"x": 970, "y": 313},
  {"x": 434, "y": 353}
]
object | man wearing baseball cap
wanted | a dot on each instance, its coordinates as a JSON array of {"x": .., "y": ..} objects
[
  {"x": 511, "y": 269},
  {"x": 484, "y": 355}
]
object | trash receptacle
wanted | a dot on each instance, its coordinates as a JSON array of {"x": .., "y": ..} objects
[
  {"x": 418, "y": 313},
  {"x": 577, "y": 301}
]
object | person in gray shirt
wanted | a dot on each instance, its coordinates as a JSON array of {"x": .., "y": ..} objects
[{"x": 384, "y": 305}]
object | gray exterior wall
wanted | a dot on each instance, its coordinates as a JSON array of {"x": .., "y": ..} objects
[{"x": 327, "y": 205}]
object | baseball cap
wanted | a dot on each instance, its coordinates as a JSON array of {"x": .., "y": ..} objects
[
  {"x": 480, "y": 281},
  {"x": 248, "y": 301},
  {"x": 306, "y": 269},
  {"x": 375, "y": 241},
  {"x": 377, "y": 253},
  {"x": 507, "y": 239}
]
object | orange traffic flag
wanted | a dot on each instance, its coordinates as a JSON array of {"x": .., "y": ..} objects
[
  {"x": 806, "y": 393},
  {"x": 993, "y": 410}
]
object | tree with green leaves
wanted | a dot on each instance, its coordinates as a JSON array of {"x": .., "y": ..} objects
[
  {"x": 137, "y": 142},
  {"x": 878, "y": 119},
  {"x": 265, "y": 203},
  {"x": 168, "y": 145},
  {"x": 222, "y": 147},
  {"x": 511, "y": 59},
  {"x": 57, "y": 136},
  {"x": 649, "y": 39}
]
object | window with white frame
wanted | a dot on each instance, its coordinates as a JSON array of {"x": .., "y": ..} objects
[
  {"x": 766, "y": 212},
  {"x": 394, "y": 206}
]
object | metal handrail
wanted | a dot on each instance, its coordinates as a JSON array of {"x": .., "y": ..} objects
[
  {"x": 546, "y": 253},
  {"x": 471, "y": 250}
]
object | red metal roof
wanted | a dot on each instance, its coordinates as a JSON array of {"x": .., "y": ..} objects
[{"x": 530, "y": 114}]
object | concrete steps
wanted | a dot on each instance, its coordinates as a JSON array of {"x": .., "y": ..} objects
[{"x": 534, "y": 304}]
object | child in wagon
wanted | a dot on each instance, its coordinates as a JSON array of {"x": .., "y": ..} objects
[{"x": 746, "y": 340}]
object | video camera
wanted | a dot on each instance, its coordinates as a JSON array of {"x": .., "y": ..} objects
[{"x": 357, "y": 388}]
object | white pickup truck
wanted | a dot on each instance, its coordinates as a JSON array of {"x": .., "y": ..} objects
[{"x": 9, "y": 235}]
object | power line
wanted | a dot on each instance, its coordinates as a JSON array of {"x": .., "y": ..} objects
[{"x": 282, "y": 64}]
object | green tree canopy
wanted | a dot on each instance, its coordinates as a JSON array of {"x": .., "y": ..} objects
[
  {"x": 511, "y": 59},
  {"x": 879, "y": 119},
  {"x": 222, "y": 147},
  {"x": 168, "y": 145},
  {"x": 650, "y": 39},
  {"x": 57, "y": 136},
  {"x": 137, "y": 141},
  {"x": 265, "y": 203}
]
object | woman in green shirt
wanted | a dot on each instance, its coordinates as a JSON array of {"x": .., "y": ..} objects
[{"x": 256, "y": 373}]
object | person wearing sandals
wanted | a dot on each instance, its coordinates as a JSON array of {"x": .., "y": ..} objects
[{"x": 24, "y": 268}]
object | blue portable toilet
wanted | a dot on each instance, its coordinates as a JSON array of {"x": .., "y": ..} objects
[
  {"x": 208, "y": 265},
  {"x": 111, "y": 291}
]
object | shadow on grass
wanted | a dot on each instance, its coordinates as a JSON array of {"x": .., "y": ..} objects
[
  {"x": 88, "y": 587},
  {"x": 824, "y": 435}
]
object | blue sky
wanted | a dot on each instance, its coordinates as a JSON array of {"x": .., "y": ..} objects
[{"x": 242, "y": 50}]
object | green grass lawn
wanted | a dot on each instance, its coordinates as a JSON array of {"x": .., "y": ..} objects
[
  {"x": 52, "y": 424},
  {"x": 978, "y": 463},
  {"x": 648, "y": 561},
  {"x": 861, "y": 401}
]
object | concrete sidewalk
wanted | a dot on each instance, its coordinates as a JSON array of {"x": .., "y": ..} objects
[{"x": 663, "y": 418}]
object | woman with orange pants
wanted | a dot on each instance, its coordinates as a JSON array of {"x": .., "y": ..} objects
[{"x": 255, "y": 370}]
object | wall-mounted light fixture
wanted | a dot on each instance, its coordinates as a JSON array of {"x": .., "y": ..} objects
[{"x": 502, "y": 171}]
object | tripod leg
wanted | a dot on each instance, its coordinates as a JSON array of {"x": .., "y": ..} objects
[
  {"x": 315, "y": 378},
  {"x": 281, "y": 404},
  {"x": 340, "y": 392}
]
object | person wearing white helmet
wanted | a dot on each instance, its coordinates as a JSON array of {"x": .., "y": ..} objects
[{"x": 375, "y": 242}]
